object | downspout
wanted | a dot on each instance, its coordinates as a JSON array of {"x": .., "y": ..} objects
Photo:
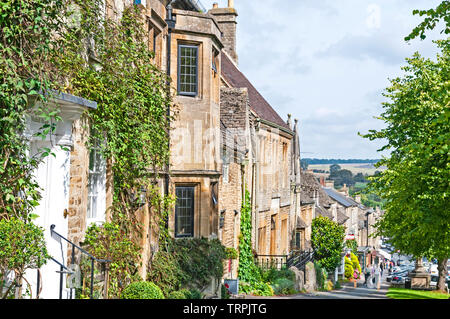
[{"x": 170, "y": 26}]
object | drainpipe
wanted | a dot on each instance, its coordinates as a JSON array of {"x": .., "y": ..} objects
[{"x": 170, "y": 26}]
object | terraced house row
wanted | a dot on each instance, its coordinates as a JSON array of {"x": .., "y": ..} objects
[{"x": 226, "y": 139}]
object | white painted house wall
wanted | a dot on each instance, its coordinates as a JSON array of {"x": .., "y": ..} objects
[{"x": 53, "y": 176}]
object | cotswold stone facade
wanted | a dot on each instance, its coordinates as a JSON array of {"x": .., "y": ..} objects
[
  {"x": 225, "y": 139},
  {"x": 266, "y": 147}
]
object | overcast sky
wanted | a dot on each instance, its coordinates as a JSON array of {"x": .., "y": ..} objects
[{"x": 327, "y": 62}]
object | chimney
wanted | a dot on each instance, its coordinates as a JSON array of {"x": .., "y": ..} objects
[
  {"x": 322, "y": 181},
  {"x": 289, "y": 121},
  {"x": 226, "y": 19}
]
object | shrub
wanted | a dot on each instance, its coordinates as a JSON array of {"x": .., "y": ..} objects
[
  {"x": 337, "y": 285},
  {"x": 272, "y": 274},
  {"x": 195, "y": 294},
  {"x": 231, "y": 253},
  {"x": 327, "y": 239},
  {"x": 22, "y": 247},
  {"x": 284, "y": 286},
  {"x": 142, "y": 290},
  {"x": 189, "y": 263},
  {"x": 349, "y": 270},
  {"x": 179, "y": 294},
  {"x": 224, "y": 292},
  {"x": 262, "y": 289},
  {"x": 321, "y": 276},
  {"x": 109, "y": 242},
  {"x": 166, "y": 271},
  {"x": 329, "y": 285},
  {"x": 355, "y": 264}
]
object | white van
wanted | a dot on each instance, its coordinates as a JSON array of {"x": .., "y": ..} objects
[{"x": 434, "y": 270}]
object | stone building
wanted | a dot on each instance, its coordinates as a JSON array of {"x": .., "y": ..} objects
[
  {"x": 187, "y": 43},
  {"x": 265, "y": 147},
  {"x": 225, "y": 139}
]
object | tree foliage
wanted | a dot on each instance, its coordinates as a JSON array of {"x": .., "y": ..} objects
[
  {"x": 187, "y": 264},
  {"x": 432, "y": 17},
  {"x": 22, "y": 247},
  {"x": 327, "y": 239},
  {"x": 29, "y": 38},
  {"x": 415, "y": 183}
]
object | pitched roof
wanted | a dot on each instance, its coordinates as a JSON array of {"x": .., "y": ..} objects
[
  {"x": 341, "y": 217},
  {"x": 258, "y": 104},
  {"x": 323, "y": 212},
  {"x": 341, "y": 199},
  {"x": 309, "y": 184}
]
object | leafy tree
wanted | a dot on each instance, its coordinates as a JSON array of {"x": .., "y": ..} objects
[
  {"x": 415, "y": 183},
  {"x": 334, "y": 168},
  {"x": 109, "y": 242},
  {"x": 327, "y": 239},
  {"x": 22, "y": 247},
  {"x": 359, "y": 177},
  {"x": 341, "y": 177},
  {"x": 433, "y": 16}
]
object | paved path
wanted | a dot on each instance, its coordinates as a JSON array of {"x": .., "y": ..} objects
[{"x": 346, "y": 292}]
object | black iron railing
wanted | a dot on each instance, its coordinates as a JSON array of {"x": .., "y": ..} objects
[
  {"x": 64, "y": 270},
  {"x": 271, "y": 261},
  {"x": 300, "y": 259}
]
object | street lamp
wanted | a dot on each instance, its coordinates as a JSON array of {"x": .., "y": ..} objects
[{"x": 367, "y": 234}]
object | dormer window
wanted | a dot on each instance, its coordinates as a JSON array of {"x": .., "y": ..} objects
[{"x": 188, "y": 70}]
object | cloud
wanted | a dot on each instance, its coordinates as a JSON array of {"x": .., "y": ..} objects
[
  {"x": 377, "y": 46},
  {"x": 327, "y": 62}
]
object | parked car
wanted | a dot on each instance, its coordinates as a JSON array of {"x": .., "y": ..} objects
[
  {"x": 399, "y": 279},
  {"x": 435, "y": 279},
  {"x": 434, "y": 270},
  {"x": 397, "y": 275}
]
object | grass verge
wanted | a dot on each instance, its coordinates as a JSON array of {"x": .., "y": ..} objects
[{"x": 402, "y": 293}]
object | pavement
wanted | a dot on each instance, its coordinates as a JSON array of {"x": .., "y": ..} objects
[{"x": 348, "y": 291}]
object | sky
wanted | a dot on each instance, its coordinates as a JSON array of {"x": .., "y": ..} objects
[{"x": 327, "y": 62}]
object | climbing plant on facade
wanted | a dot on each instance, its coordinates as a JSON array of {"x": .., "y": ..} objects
[
  {"x": 28, "y": 40},
  {"x": 248, "y": 272},
  {"x": 131, "y": 122}
]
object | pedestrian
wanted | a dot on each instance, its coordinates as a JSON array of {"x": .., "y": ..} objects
[
  {"x": 377, "y": 277},
  {"x": 366, "y": 275},
  {"x": 381, "y": 268}
]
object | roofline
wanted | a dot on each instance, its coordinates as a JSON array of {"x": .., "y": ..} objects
[{"x": 276, "y": 126}]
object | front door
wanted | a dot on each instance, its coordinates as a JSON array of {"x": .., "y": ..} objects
[{"x": 52, "y": 175}]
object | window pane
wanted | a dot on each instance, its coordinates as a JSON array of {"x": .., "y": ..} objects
[
  {"x": 184, "y": 212},
  {"x": 187, "y": 70}
]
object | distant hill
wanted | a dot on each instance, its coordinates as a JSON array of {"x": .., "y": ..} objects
[{"x": 312, "y": 161}]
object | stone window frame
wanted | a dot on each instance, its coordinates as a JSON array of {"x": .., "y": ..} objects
[
  {"x": 179, "y": 74},
  {"x": 193, "y": 189}
]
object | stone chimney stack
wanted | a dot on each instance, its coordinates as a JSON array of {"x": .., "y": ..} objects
[
  {"x": 289, "y": 121},
  {"x": 226, "y": 19},
  {"x": 322, "y": 181}
]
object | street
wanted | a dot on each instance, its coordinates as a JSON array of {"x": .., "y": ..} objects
[{"x": 346, "y": 292}]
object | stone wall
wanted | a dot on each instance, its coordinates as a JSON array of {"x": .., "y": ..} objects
[{"x": 78, "y": 191}]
